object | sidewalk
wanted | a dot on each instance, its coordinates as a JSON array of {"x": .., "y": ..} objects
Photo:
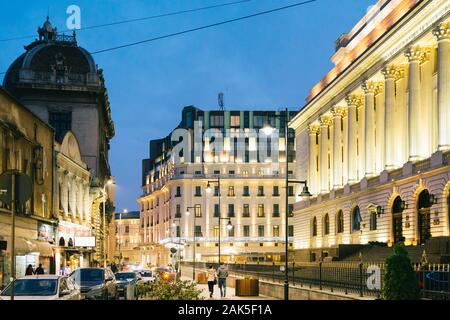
[{"x": 230, "y": 293}]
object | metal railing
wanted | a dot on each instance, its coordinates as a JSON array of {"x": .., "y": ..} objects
[{"x": 359, "y": 278}]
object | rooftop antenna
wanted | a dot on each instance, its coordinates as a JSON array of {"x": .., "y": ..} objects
[{"x": 220, "y": 100}]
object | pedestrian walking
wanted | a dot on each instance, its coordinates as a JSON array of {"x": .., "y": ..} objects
[
  {"x": 212, "y": 280},
  {"x": 222, "y": 274},
  {"x": 29, "y": 271},
  {"x": 39, "y": 270}
]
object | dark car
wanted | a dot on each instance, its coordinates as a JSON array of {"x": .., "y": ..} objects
[
  {"x": 127, "y": 284},
  {"x": 96, "y": 283}
]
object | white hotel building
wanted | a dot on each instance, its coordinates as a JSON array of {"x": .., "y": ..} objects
[
  {"x": 252, "y": 193},
  {"x": 373, "y": 139}
]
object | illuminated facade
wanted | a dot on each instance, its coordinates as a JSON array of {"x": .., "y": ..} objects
[
  {"x": 251, "y": 192},
  {"x": 373, "y": 139},
  {"x": 127, "y": 236}
]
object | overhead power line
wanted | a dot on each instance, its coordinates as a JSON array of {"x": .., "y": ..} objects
[
  {"x": 203, "y": 27},
  {"x": 139, "y": 19}
]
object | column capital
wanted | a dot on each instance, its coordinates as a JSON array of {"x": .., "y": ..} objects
[
  {"x": 354, "y": 100},
  {"x": 326, "y": 120},
  {"x": 372, "y": 87},
  {"x": 393, "y": 72},
  {"x": 313, "y": 128},
  {"x": 442, "y": 31},
  {"x": 417, "y": 53},
  {"x": 339, "y": 111}
]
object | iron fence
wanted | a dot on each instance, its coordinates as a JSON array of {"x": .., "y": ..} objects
[{"x": 361, "y": 278}]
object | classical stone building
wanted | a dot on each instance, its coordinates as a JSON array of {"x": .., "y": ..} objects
[
  {"x": 128, "y": 238},
  {"x": 373, "y": 139},
  {"x": 251, "y": 196},
  {"x": 59, "y": 81},
  {"x": 26, "y": 145}
]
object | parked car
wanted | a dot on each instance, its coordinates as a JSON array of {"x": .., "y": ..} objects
[
  {"x": 166, "y": 273},
  {"x": 96, "y": 283},
  {"x": 147, "y": 276},
  {"x": 127, "y": 284},
  {"x": 42, "y": 287}
]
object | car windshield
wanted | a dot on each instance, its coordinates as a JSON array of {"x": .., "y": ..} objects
[
  {"x": 90, "y": 275},
  {"x": 33, "y": 287},
  {"x": 125, "y": 276},
  {"x": 146, "y": 274}
]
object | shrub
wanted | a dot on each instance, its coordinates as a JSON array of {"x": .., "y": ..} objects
[
  {"x": 175, "y": 290},
  {"x": 400, "y": 281}
]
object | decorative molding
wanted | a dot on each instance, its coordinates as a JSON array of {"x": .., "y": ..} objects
[
  {"x": 326, "y": 120},
  {"x": 372, "y": 87},
  {"x": 313, "y": 128},
  {"x": 417, "y": 53},
  {"x": 339, "y": 111},
  {"x": 393, "y": 72},
  {"x": 354, "y": 100},
  {"x": 442, "y": 31}
]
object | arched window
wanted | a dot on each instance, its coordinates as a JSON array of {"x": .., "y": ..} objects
[
  {"x": 314, "y": 227},
  {"x": 356, "y": 219},
  {"x": 326, "y": 225},
  {"x": 340, "y": 222}
]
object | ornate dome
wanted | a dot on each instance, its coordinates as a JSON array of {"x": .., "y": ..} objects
[{"x": 53, "y": 59}]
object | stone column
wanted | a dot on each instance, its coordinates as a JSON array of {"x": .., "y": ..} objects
[
  {"x": 442, "y": 33},
  {"x": 391, "y": 75},
  {"x": 416, "y": 55},
  {"x": 325, "y": 122},
  {"x": 337, "y": 146},
  {"x": 313, "y": 130},
  {"x": 353, "y": 101},
  {"x": 370, "y": 90}
]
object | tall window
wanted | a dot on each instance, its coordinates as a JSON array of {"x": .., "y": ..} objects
[
  {"x": 314, "y": 227},
  {"x": 198, "y": 191},
  {"x": 356, "y": 219},
  {"x": 198, "y": 231},
  {"x": 246, "y": 231},
  {"x": 291, "y": 210},
  {"x": 373, "y": 221},
  {"x": 216, "y": 210},
  {"x": 276, "y": 210},
  {"x": 246, "y": 191},
  {"x": 290, "y": 231},
  {"x": 198, "y": 210},
  {"x": 260, "y": 231},
  {"x": 340, "y": 222},
  {"x": 276, "y": 191},
  {"x": 230, "y": 210},
  {"x": 231, "y": 232},
  {"x": 260, "y": 191},
  {"x": 231, "y": 191},
  {"x": 276, "y": 231},
  {"x": 178, "y": 192},
  {"x": 291, "y": 191},
  {"x": 61, "y": 122},
  {"x": 216, "y": 191},
  {"x": 260, "y": 210},
  {"x": 246, "y": 211},
  {"x": 178, "y": 212},
  {"x": 326, "y": 225}
]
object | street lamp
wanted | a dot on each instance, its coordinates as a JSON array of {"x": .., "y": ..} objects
[
  {"x": 108, "y": 183},
  {"x": 194, "y": 236},
  {"x": 268, "y": 130}
]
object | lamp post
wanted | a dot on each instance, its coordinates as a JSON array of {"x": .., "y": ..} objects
[
  {"x": 194, "y": 236},
  {"x": 229, "y": 226},
  {"x": 125, "y": 211},
  {"x": 108, "y": 183},
  {"x": 268, "y": 130},
  {"x": 174, "y": 224}
]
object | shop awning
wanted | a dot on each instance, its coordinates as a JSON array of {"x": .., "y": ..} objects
[
  {"x": 44, "y": 248},
  {"x": 22, "y": 245}
]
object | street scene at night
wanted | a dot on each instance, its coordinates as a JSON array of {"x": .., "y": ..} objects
[{"x": 225, "y": 151}]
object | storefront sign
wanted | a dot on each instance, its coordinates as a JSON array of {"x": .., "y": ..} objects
[
  {"x": 46, "y": 232},
  {"x": 84, "y": 241}
]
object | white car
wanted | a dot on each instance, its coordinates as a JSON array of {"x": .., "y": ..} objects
[
  {"x": 147, "y": 276},
  {"x": 42, "y": 287}
]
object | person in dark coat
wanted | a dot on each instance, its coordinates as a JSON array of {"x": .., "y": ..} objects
[
  {"x": 39, "y": 270},
  {"x": 29, "y": 271}
]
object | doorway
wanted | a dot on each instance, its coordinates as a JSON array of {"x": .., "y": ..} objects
[
  {"x": 397, "y": 220},
  {"x": 423, "y": 217}
]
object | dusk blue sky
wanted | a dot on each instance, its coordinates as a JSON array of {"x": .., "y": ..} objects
[{"x": 267, "y": 62}]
